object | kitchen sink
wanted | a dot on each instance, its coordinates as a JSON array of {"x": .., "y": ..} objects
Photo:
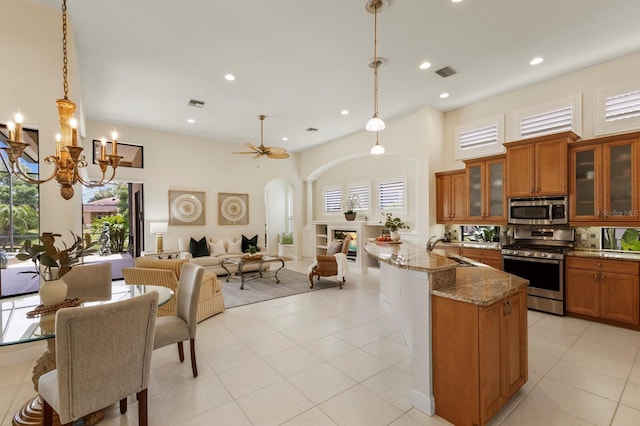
[{"x": 461, "y": 262}]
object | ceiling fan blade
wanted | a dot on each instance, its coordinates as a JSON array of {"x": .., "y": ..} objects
[
  {"x": 257, "y": 156},
  {"x": 275, "y": 150},
  {"x": 255, "y": 148},
  {"x": 277, "y": 156},
  {"x": 244, "y": 152}
]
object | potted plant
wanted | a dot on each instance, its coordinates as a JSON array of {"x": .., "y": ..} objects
[
  {"x": 351, "y": 204},
  {"x": 52, "y": 263},
  {"x": 393, "y": 224}
]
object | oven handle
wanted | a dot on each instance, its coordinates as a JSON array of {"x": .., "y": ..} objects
[{"x": 532, "y": 259}]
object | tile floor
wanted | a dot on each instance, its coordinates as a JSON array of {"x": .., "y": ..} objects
[{"x": 336, "y": 357}]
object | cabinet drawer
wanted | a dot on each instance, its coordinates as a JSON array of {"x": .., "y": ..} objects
[
  {"x": 488, "y": 254},
  {"x": 597, "y": 264}
]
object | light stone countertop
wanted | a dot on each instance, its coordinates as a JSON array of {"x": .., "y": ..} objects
[
  {"x": 606, "y": 254},
  {"x": 479, "y": 284}
]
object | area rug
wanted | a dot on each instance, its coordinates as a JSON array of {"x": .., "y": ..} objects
[{"x": 266, "y": 288}]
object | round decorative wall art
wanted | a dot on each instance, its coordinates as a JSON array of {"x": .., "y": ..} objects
[
  {"x": 186, "y": 208},
  {"x": 233, "y": 209}
]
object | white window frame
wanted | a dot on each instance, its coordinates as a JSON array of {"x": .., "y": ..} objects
[
  {"x": 290, "y": 213},
  {"x": 395, "y": 210},
  {"x": 333, "y": 188},
  {"x": 603, "y": 126},
  {"x": 574, "y": 102},
  {"x": 361, "y": 184},
  {"x": 492, "y": 148}
]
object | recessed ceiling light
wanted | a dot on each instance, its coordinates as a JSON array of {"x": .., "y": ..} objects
[
  {"x": 285, "y": 138},
  {"x": 456, "y": 1},
  {"x": 444, "y": 95},
  {"x": 425, "y": 65},
  {"x": 536, "y": 61},
  {"x": 344, "y": 112},
  {"x": 191, "y": 120},
  {"x": 229, "y": 77}
]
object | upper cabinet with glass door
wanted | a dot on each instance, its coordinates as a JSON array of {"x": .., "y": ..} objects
[
  {"x": 485, "y": 190},
  {"x": 603, "y": 184}
]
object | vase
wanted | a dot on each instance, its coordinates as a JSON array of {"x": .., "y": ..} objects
[
  {"x": 52, "y": 292},
  {"x": 395, "y": 236},
  {"x": 350, "y": 216}
]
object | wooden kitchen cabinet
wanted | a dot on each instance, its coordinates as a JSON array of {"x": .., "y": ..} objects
[
  {"x": 491, "y": 257},
  {"x": 603, "y": 181},
  {"x": 479, "y": 356},
  {"x": 451, "y": 196},
  {"x": 486, "y": 202},
  {"x": 603, "y": 289},
  {"x": 538, "y": 166}
]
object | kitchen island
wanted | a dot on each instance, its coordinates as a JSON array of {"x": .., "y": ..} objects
[{"x": 414, "y": 281}]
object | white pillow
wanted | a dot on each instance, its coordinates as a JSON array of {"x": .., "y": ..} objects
[
  {"x": 234, "y": 246},
  {"x": 216, "y": 247}
]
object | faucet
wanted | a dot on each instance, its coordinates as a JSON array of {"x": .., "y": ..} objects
[{"x": 432, "y": 245}]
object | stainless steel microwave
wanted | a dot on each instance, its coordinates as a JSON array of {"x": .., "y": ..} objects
[{"x": 538, "y": 211}]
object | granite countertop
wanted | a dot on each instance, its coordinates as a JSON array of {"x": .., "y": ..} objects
[
  {"x": 470, "y": 244},
  {"x": 478, "y": 284},
  {"x": 606, "y": 254}
]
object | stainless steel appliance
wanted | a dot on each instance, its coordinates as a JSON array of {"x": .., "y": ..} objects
[
  {"x": 538, "y": 211},
  {"x": 538, "y": 256}
]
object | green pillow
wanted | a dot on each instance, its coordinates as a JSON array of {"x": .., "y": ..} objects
[
  {"x": 199, "y": 248},
  {"x": 287, "y": 238}
]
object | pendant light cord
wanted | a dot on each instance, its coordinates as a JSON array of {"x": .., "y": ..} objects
[
  {"x": 64, "y": 50},
  {"x": 375, "y": 57}
]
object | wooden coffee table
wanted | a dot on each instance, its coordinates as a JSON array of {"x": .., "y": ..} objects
[{"x": 243, "y": 261}]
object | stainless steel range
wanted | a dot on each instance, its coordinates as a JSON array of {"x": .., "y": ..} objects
[{"x": 538, "y": 256}]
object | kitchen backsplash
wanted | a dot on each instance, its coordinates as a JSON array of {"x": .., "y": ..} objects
[{"x": 588, "y": 237}]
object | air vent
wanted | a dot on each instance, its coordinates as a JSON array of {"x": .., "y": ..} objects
[
  {"x": 310, "y": 129},
  {"x": 195, "y": 103},
  {"x": 446, "y": 72}
]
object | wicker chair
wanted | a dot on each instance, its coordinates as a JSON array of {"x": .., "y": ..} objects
[
  {"x": 331, "y": 264},
  {"x": 166, "y": 272}
]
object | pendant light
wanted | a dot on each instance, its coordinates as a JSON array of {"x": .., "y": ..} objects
[
  {"x": 377, "y": 149},
  {"x": 375, "y": 124}
]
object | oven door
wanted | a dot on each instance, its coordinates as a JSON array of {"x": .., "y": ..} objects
[{"x": 545, "y": 276}]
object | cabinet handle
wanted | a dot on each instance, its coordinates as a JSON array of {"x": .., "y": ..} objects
[
  {"x": 602, "y": 277},
  {"x": 595, "y": 276},
  {"x": 504, "y": 309}
]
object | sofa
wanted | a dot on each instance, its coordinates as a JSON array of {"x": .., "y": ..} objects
[
  {"x": 217, "y": 249},
  {"x": 166, "y": 272}
]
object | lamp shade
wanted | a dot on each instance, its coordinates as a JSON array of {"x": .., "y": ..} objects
[
  {"x": 377, "y": 149},
  {"x": 158, "y": 227},
  {"x": 375, "y": 124}
]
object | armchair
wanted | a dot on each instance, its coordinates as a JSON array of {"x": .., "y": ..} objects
[{"x": 332, "y": 263}]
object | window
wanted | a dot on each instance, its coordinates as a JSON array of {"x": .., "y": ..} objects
[
  {"x": 333, "y": 200},
  {"x": 392, "y": 195},
  {"x": 553, "y": 117},
  {"x": 618, "y": 108},
  {"x": 290, "y": 213},
  {"x": 359, "y": 193},
  {"x": 480, "y": 138}
]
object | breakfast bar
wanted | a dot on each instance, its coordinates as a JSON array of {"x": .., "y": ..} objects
[{"x": 411, "y": 281}]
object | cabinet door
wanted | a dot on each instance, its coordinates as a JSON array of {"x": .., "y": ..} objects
[
  {"x": 520, "y": 171},
  {"x": 443, "y": 198},
  {"x": 551, "y": 167},
  {"x": 620, "y": 199},
  {"x": 475, "y": 192},
  {"x": 492, "y": 383},
  {"x": 583, "y": 292},
  {"x": 495, "y": 203},
  {"x": 585, "y": 184},
  {"x": 458, "y": 198},
  {"x": 515, "y": 335},
  {"x": 619, "y": 297}
]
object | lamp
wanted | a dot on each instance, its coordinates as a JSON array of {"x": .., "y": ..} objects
[
  {"x": 377, "y": 149},
  {"x": 375, "y": 124},
  {"x": 158, "y": 228},
  {"x": 68, "y": 158}
]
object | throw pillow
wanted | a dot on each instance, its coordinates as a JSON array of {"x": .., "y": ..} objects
[
  {"x": 234, "y": 246},
  {"x": 246, "y": 242},
  {"x": 334, "y": 248},
  {"x": 199, "y": 248},
  {"x": 217, "y": 247}
]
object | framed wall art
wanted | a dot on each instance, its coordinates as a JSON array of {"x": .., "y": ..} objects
[
  {"x": 186, "y": 208},
  {"x": 132, "y": 155},
  {"x": 233, "y": 209}
]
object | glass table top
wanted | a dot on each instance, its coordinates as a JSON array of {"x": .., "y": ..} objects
[{"x": 17, "y": 328}]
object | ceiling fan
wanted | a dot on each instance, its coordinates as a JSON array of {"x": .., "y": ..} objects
[{"x": 269, "y": 151}]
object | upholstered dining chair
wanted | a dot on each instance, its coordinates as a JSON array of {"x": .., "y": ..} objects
[
  {"x": 182, "y": 326},
  {"x": 332, "y": 263},
  {"x": 103, "y": 355},
  {"x": 91, "y": 281}
]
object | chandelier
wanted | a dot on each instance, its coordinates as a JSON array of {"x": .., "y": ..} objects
[{"x": 68, "y": 158}]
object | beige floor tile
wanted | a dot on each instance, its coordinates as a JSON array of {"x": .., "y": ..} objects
[
  {"x": 305, "y": 333},
  {"x": 223, "y": 339},
  {"x": 534, "y": 316},
  {"x": 177, "y": 374},
  {"x": 357, "y": 336},
  {"x": 531, "y": 412},
  {"x": 384, "y": 326},
  {"x": 574, "y": 375},
  {"x": 388, "y": 350},
  {"x": 613, "y": 335},
  {"x": 543, "y": 355},
  {"x": 228, "y": 414},
  {"x": 359, "y": 405},
  {"x": 359, "y": 365},
  {"x": 558, "y": 336},
  {"x": 293, "y": 361},
  {"x": 249, "y": 377},
  {"x": 313, "y": 417},
  {"x": 313, "y": 314},
  {"x": 576, "y": 402},
  {"x": 426, "y": 420},
  {"x": 321, "y": 382},
  {"x": 334, "y": 324},
  {"x": 284, "y": 322},
  {"x": 328, "y": 347},
  {"x": 626, "y": 416},
  {"x": 358, "y": 317},
  {"x": 393, "y": 385},
  {"x": 267, "y": 345},
  {"x": 565, "y": 324},
  {"x": 112, "y": 416},
  {"x": 230, "y": 357},
  {"x": 592, "y": 358},
  {"x": 631, "y": 396},
  {"x": 253, "y": 331},
  {"x": 274, "y": 404}
]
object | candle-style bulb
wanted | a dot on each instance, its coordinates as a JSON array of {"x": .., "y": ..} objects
[
  {"x": 18, "y": 117},
  {"x": 58, "y": 137},
  {"x": 103, "y": 141},
  {"x": 11, "y": 126},
  {"x": 73, "y": 123},
  {"x": 114, "y": 135}
]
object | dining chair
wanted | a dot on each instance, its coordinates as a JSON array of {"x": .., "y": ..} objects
[
  {"x": 103, "y": 355},
  {"x": 182, "y": 326},
  {"x": 91, "y": 281}
]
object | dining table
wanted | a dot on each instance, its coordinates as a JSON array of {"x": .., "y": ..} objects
[{"x": 24, "y": 320}]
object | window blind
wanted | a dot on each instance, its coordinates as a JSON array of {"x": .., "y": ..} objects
[
  {"x": 391, "y": 195},
  {"x": 361, "y": 194},
  {"x": 332, "y": 201},
  {"x": 622, "y": 106},
  {"x": 557, "y": 120},
  {"x": 290, "y": 213},
  {"x": 478, "y": 138}
]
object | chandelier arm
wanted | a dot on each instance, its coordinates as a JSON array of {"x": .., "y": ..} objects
[{"x": 20, "y": 174}]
